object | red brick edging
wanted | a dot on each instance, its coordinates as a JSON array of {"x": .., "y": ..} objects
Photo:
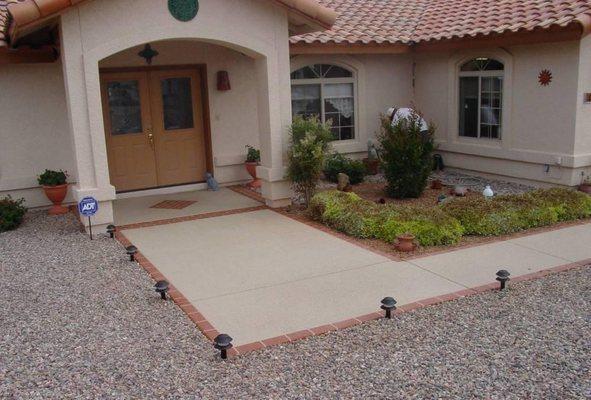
[{"x": 210, "y": 332}]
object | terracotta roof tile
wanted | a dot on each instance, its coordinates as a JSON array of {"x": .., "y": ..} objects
[
  {"x": 5, "y": 20},
  {"x": 403, "y": 21}
]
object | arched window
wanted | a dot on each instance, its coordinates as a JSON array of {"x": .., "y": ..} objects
[
  {"x": 327, "y": 91},
  {"x": 481, "y": 98}
]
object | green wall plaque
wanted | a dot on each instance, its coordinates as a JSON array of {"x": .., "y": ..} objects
[{"x": 183, "y": 10}]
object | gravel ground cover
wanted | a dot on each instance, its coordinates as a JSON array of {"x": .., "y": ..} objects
[{"x": 80, "y": 321}]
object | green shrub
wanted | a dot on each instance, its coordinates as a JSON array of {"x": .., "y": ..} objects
[
  {"x": 511, "y": 213},
  {"x": 406, "y": 155},
  {"x": 345, "y": 212},
  {"x": 52, "y": 178},
  {"x": 308, "y": 148},
  {"x": 348, "y": 213},
  {"x": 337, "y": 163},
  {"x": 431, "y": 226},
  {"x": 567, "y": 203},
  {"x": 12, "y": 213}
]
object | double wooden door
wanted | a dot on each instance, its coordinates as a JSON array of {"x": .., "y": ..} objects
[{"x": 154, "y": 126}]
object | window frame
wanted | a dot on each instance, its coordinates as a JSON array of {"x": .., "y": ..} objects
[
  {"x": 324, "y": 81},
  {"x": 480, "y": 75}
]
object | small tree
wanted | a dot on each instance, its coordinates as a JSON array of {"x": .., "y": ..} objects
[
  {"x": 406, "y": 153},
  {"x": 308, "y": 148}
]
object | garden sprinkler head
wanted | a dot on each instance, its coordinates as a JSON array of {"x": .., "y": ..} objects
[
  {"x": 223, "y": 343},
  {"x": 111, "y": 229},
  {"x": 503, "y": 278},
  {"x": 388, "y": 305},
  {"x": 131, "y": 252},
  {"x": 162, "y": 288}
]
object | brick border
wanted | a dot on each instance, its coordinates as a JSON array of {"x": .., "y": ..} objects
[
  {"x": 241, "y": 189},
  {"x": 191, "y": 218},
  {"x": 210, "y": 332}
]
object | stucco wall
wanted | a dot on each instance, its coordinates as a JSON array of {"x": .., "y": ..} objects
[
  {"x": 383, "y": 81},
  {"x": 583, "y": 122},
  {"x": 233, "y": 114},
  {"x": 539, "y": 121},
  {"x": 95, "y": 31},
  {"x": 34, "y": 132}
]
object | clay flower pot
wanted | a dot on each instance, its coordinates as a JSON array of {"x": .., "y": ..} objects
[
  {"x": 57, "y": 194},
  {"x": 251, "y": 168},
  {"x": 585, "y": 188},
  {"x": 405, "y": 243},
  {"x": 436, "y": 184},
  {"x": 371, "y": 166}
]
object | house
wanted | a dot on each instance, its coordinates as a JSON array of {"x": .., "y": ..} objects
[{"x": 130, "y": 95}]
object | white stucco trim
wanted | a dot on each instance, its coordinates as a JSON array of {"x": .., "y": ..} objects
[
  {"x": 455, "y": 62},
  {"x": 358, "y": 69}
]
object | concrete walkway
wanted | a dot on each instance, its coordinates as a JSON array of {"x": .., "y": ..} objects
[{"x": 259, "y": 275}]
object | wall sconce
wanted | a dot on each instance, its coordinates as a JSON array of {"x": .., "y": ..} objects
[{"x": 223, "y": 81}]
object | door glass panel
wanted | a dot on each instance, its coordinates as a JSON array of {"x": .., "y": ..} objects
[
  {"x": 124, "y": 107},
  {"x": 177, "y": 103}
]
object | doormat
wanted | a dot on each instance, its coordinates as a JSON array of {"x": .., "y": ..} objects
[{"x": 174, "y": 204}]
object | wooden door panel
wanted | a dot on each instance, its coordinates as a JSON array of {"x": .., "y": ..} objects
[
  {"x": 128, "y": 124},
  {"x": 179, "y": 133}
]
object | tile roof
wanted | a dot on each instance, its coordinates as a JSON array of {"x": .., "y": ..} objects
[
  {"x": 405, "y": 21},
  {"x": 20, "y": 13},
  {"x": 4, "y": 20}
]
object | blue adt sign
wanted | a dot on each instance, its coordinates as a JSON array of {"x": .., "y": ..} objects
[{"x": 88, "y": 206}]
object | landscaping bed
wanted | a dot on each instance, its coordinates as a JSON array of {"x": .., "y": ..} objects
[{"x": 458, "y": 222}]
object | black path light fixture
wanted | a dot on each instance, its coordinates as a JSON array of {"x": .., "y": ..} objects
[
  {"x": 388, "y": 305},
  {"x": 503, "y": 278},
  {"x": 223, "y": 343},
  {"x": 111, "y": 229},
  {"x": 162, "y": 288},
  {"x": 131, "y": 252}
]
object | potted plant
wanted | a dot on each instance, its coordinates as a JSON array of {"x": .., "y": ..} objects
[
  {"x": 55, "y": 187},
  {"x": 253, "y": 158},
  {"x": 585, "y": 186},
  {"x": 406, "y": 243}
]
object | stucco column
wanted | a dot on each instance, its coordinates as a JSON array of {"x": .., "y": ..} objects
[
  {"x": 274, "y": 108},
  {"x": 90, "y": 151}
]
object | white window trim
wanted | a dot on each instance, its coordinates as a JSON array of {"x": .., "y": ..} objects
[
  {"x": 480, "y": 75},
  {"x": 453, "y": 132},
  {"x": 327, "y": 81},
  {"x": 359, "y": 143}
]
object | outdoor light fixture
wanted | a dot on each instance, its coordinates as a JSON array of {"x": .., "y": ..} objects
[
  {"x": 389, "y": 305},
  {"x": 503, "y": 277},
  {"x": 131, "y": 251},
  {"x": 224, "y": 81},
  {"x": 111, "y": 229},
  {"x": 148, "y": 53},
  {"x": 223, "y": 343},
  {"x": 162, "y": 288}
]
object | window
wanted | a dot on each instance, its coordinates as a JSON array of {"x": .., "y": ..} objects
[
  {"x": 481, "y": 98},
  {"x": 326, "y": 91}
]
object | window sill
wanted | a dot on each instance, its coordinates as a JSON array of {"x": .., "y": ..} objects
[{"x": 348, "y": 146}]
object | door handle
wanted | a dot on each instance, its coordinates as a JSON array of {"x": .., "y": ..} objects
[{"x": 150, "y": 136}]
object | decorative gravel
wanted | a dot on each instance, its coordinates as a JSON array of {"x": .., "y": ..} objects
[{"x": 80, "y": 321}]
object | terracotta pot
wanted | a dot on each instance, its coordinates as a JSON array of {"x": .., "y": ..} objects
[
  {"x": 406, "y": 243},
  {"x": 57, "y": 194},
  {"x": 585, "y": 188},
  {"x": 436, "y": 184},
  {"x": 251, "y": 168},
  {"x": 372, "y": 166}
]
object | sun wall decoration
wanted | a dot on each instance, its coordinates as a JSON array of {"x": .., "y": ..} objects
[{"x": 545, "y": 77}]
